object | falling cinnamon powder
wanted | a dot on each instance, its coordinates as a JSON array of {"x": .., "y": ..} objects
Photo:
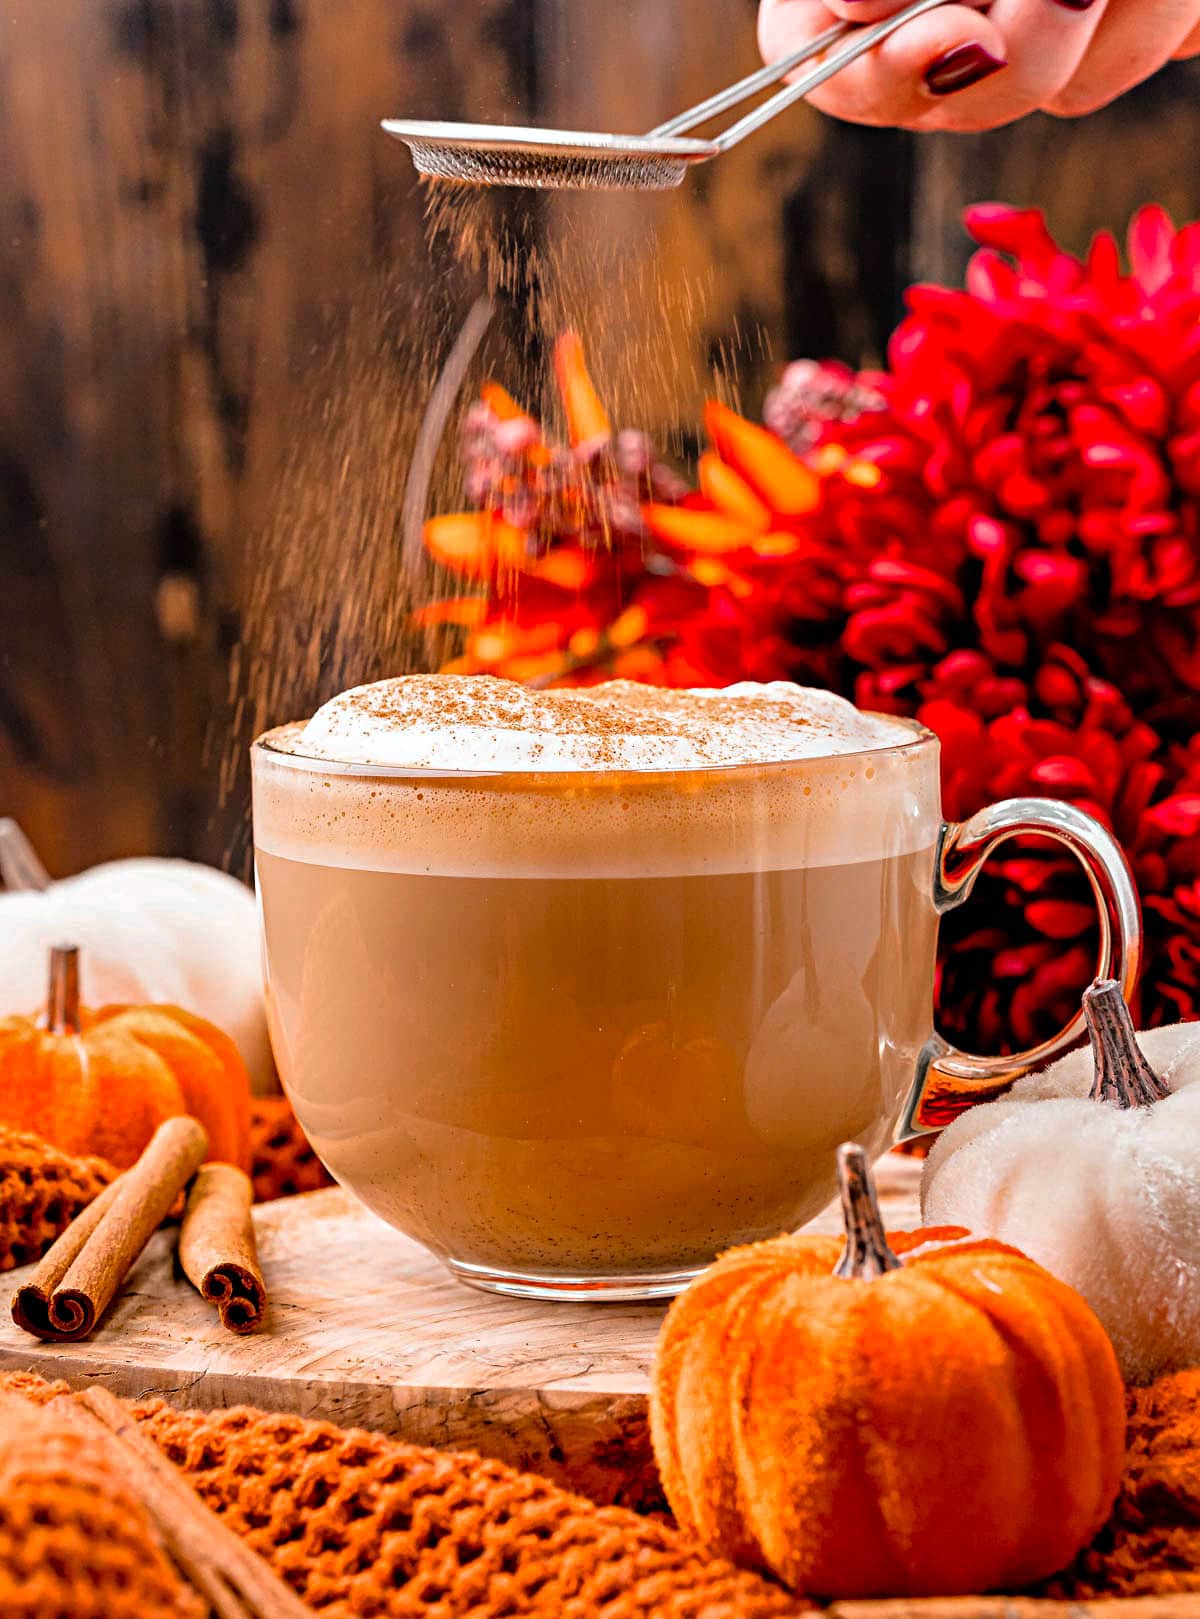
[
  {"x": 563, "y": 261},
  {"x": 333, "y": 575}
]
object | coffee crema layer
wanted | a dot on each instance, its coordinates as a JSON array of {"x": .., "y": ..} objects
[
  {"x": 832, "y": 809},
  {"x": 480, "y": 722}
]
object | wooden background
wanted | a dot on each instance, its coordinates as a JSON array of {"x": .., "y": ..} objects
[{"x": 219, "y": 317}]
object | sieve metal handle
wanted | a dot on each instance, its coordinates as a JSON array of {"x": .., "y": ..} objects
[
  {"x": 859, "y": 42},
  {"x": 733, "y": 95}
]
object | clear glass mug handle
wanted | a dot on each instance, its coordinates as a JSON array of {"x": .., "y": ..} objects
[{"x": 962, "y": 850}]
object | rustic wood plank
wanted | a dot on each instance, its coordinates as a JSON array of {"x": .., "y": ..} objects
[
  {"x": 83, "y": 455},
  {"x": 213, "y": 267},
  {"x": 367, "y": 1329}
]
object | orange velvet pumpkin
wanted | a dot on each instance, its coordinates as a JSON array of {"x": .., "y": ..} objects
[
  {"x": 101, "y": 1082},
  {"x": 867, "y": 1426}
]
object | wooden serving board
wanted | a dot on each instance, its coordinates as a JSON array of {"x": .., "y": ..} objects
[{"x": 368, "y": 1330}]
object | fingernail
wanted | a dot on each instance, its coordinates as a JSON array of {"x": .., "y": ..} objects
[
  {"x": 960, "y": 68},
  {"x": 1077, "y": 5}
]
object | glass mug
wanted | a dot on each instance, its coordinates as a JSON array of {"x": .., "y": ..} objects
[{"x": 577, "y": 1032}]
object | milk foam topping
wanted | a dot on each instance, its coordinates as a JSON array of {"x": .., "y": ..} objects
[
  {"x": 618, "y": 780},
  {"x": 461, "y": 722}
]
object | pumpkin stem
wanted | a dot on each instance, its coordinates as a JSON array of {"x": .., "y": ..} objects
[
  {"x": 20, "y": 868},
  {"x": 1123, "y": 1076},
  {"x": 866, "y": 1253},
  {"x": 62, "y": 1002}
]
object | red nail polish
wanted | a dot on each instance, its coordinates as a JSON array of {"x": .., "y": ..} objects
[{"x": 960, "y": 68}]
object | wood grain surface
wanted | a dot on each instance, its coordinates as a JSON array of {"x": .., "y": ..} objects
[{"x": 367, "y": 1329}]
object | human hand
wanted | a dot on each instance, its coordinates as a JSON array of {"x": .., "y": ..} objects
[{"x": 963, "y": 69}]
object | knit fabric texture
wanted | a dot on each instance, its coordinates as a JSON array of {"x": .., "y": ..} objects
[
  {"x": 41, "y": 1192},
  {"x": 1151, "y": 1542},
  {"x": 363, "y": 1526},
  {"x": 74, "y": 1542},
  {"x": 282, "y": 1159}
]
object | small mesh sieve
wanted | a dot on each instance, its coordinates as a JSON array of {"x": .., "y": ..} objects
[{"x": 547, "y": 160}]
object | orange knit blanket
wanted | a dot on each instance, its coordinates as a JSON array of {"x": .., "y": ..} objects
[
  {"x": 41, "y": 1192},
  {"x": 282, "y": 1160},
  {"x": 74, "y": 1541},
  {"x": 363, "y": 1526}
]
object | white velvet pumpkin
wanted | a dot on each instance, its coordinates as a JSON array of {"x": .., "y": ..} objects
[
  {"x": 149, "y": 930},
  {"x": 1093, "y": 1169}
]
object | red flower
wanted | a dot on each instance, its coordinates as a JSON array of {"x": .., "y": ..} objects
[{"x": 999, "y": 534}]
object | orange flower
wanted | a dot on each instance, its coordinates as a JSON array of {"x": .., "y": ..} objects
[{"x": 594, "y": 558}]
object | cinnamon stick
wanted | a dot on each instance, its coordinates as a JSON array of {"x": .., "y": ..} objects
[
  {"x": 79, "y": 1277},
  {"x": 31, "y": 1301},
  {"x": 217, "y": 1249}
]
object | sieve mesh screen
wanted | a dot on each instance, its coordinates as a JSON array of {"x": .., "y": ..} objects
[{"x": 549, "y": 170}]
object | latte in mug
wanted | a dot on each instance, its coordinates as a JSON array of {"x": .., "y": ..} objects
[{"x": 580, "y": 987}]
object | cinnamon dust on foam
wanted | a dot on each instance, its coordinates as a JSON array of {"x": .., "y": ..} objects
[
  {"x": 482, "y": 722},
  {"x": 605, "y": 727},
  {"x": 645, "y": 712}
]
